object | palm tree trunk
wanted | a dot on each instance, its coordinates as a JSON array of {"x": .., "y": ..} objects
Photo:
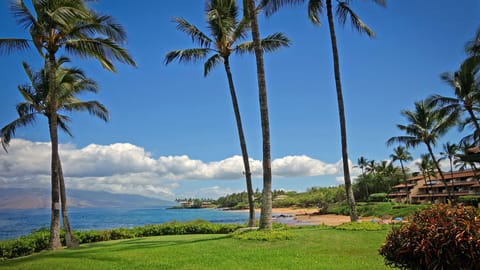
[
  {"x": 341, "y": 111},
  {"x": 405, "y": 179},
  {"x": 437, "y": 165},
  {"x": 243, "y": 145},
  {"x": 266, "y": 211},
  {"x": 70, "y": 240},
  {"x": 476, "y": 134},
  {"x": 54, "y": 241},
  {"x": 451, "y": 175}
]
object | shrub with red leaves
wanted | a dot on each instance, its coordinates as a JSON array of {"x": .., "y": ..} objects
[{"x": 441, "y": 237}]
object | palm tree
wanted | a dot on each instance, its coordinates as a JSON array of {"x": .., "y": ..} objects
[
  {"x": 72, "y": 26},
  {"x": 425, "y": 125},
  {"x": 343, "y": 10},
  {"x": 226, "y": 31},
  {"x": 401, "y": 154},
  {"x": 250, "y": 11},
  {"x": 450, "y": 152},
  {"x": 69, "y": 83},
  {"x": 362, "y": 163},
  {"x": 466, "y": 86},
  {"x": 427, "y": 168}
]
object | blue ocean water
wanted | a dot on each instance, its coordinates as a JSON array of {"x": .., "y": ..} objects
[{"x": 18, "y": 222}]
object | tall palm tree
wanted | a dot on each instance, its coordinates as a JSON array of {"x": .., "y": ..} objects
[
  {"x": 69, "y": 83},
  {"x": 343, "y": 11},
  {"x": 401, "y": 154},
  {"x": 250, "y": 11},
  {"x": 466, "y": 85},
  {"x": 68, "y": 25},
  {"x": 450, "y": 152},
  {"x": 226, "y": 31},
  {"x": 425, "y": 126},
  {"x": 427, "y": 168}
]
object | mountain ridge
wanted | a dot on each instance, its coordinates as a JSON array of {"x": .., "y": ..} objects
[{"x": 27, "y": 198}]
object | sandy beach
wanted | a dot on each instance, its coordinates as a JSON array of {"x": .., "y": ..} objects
[{"x": 300, "y": 216}]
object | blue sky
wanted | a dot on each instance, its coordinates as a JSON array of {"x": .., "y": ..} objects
[{"x": 172, "y": 132}]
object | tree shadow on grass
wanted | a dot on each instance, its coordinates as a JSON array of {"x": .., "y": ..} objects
[{"x": 101, "y": 251}]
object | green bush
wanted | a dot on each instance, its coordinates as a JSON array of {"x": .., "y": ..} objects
[
  {"x": 263, "y": 235},
  {"x": 361, "y": 226},
  {"x": 442, "y": 237},
  {"x": 378, "y": 197},
  {"x": 38, "y": 240},
  {"x": 469, "y": 200}
]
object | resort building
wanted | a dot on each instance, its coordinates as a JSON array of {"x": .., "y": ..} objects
[{"x": 422, "y": 189}]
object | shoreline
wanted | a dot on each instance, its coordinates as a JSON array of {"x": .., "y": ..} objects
[{"x": 307, "y": 216}]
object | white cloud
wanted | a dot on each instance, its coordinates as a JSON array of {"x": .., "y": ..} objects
[{"x": 127, "y": 168}]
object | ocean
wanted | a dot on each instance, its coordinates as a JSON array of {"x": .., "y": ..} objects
[{"x": 17, "y": 222}]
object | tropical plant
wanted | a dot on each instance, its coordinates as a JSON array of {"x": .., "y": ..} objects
[
  {"x": 427, "y": 169},
  {"x": 362, "y": 163},
  {"x": 226, "y": 31},
  {"x": 343, "y": 11},
  {"x": 401, "y": 154},
  {"x": 69, "y": 84},
  {"x": 450, "y": 152},
  {"x": 466, "y": 85},
  {"x": 68, "y": 25},
  {"x": 442, "y": 237},
  {"x": 425, "y": 126}
]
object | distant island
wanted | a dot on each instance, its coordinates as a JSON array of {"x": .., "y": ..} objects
[{"x": 23, "y": 198}]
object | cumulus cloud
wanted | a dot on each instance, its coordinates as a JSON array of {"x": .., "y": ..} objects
[{"x": 127, "y": 168}]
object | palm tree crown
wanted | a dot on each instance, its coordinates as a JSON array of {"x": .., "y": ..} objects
[
  {"x": 70, "y": 82},
  {"x": 466, "y": 85}
]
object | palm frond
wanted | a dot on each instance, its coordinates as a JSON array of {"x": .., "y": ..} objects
[
  {"x": 269, "y": 44},
  {"x": 344, "y": 11},
  {"x": 62, "y": 123},
  {"x": 211, "y": 63},
  {"x": 187, "y": 55},
  {"x": 242, "y": 30},
  {"x": 100, "y": 24},
  {"x": 104, "y": 50},
  {"x": 8, "y": 131},
  {"x": 94, "y": 108},
  {"x": 191, "y": 30},
  {"x": 22, "y": 14},
  {"x": 9, "y": 45},
  {"x": 315, "y": 9},
  {"x": 272, "y": 6}
]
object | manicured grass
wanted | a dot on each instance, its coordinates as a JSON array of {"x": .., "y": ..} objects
[
  {"x": 309, "y": 248},
  {"x": 380, "y": 209}
]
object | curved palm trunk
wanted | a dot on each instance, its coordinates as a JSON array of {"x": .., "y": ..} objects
[
  {"x": 476, "y": 134},
  {"x": 437, "y": 166},
  {"x": 243, "y": 145},
  {"x": 451, "y": 175},
  {"x": 341, "y": 111},
  {"x": 405, "y": 179},
  {"x": 70, "y": 240},
  {"x": 266, "y": 211},
  {"x": 54, "y": 241}
]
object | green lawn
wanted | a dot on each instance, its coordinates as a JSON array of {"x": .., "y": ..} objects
[{"x": 310, "y": 248}]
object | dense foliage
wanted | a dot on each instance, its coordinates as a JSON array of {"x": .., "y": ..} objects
[
  {"x": 38, "y": 240},
  {"x": 442, "y": 237}
]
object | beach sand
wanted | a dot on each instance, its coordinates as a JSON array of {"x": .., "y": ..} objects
[{"x": 304, "y": 216}]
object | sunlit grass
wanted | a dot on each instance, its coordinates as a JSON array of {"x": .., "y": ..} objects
[{"x": 309, "y": 248}]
